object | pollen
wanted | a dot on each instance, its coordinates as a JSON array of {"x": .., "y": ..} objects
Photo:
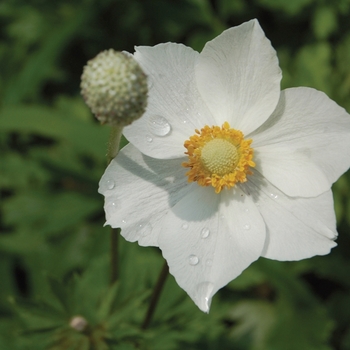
[{"x": 218, "y": 157}]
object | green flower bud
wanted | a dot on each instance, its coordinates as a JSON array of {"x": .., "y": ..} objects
[{"x": 115, "y": 88}]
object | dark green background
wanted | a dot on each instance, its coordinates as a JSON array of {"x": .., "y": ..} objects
[{"x": 54, "y": 251}]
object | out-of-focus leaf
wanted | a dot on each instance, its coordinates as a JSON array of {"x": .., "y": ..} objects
[
  {"x": 324, "y": 22},
  {"x": 290, "y": 7},
  {"x": 107, "y": 302},
  {"x": 40, "y": 65},
  {"x": 313, "y": 68},
  {"x": 18, "y": 172},
  {"x": 86, "y": 137},
  {"x": 251, "y": 277},
  {"x": 49, "y": 213},
  {"x": 60, "y": 292},
  {"x": 255, "y": 318},
  {"x": 304, "y": 327}
]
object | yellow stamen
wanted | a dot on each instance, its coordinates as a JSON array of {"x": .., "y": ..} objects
[{"x": 219, "y": 157}]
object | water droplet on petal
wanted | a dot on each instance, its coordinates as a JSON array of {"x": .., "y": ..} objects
[
  {"x": 202, "y": 295},
  {"x": 274, "y": 196},
  {"x": 144, "y": 229},
  {"x": 246, "y": 210},
  {"x": 124, "y": 221},
  {"x": 246, "y": 227},
  {"x": 149, "y": 139},
  {"x": 110, "y": 184},
  {"x": 158, "y": 125},
  {"x": 205, "y": 232},
  {"x": 112, "y": 205},
  {"x": 209, "y": 262},
  {"x": 193, "y": 259},
  {"x": 184, "y": 226}
]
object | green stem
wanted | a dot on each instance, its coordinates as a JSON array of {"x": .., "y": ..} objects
[
  {"x": 114, "y": 241},
  {"x": 114, "y": 142},
  {"x": 155, "y": 295},
  {"x": 113, "y": 149}
]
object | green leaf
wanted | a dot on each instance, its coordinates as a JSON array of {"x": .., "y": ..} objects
[
  {"x": 108, "y": 300},
  {"x": 40, "y": 65},
  {"x": 256, "y": 318},
  {"x": 292, "y": 8},
  {"x": 50, "y": 123},
  {"x": 61, "y": 292},
  {"x": 325, "y": 22}
]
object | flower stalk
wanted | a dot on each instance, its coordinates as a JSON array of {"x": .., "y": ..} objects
[
  {"x": 113, "y": 149},
  {"x": 156, "y": 295}
]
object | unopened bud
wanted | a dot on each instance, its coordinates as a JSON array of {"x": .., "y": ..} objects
[
  {"x": 114, "y": 86},
  {"x": 79, "y": 323}
]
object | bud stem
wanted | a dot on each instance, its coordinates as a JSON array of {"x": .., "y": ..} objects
[
  {"x": 112, "y": 151},
  {"x": 113, "y": 143}
]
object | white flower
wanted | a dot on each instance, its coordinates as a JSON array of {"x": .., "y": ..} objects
[{"x": 265, "y": 194}]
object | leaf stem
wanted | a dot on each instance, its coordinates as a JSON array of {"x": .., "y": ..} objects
[{"x": 155, "y": 295}]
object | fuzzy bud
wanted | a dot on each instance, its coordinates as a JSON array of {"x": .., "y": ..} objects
[
  {"x": 115, "y": 88},
  {"x": 78, "y": 323}
]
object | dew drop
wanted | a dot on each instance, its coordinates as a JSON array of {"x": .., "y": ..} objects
[
  {"x": 110, "y": 184},
  {"x": 274, "y": 196},
  {"x": 184, "y": 226},
  {"x": 202, "y": 295},
  {"x": 246, "y": 227},
  {"x": 124, "y": 221},
  {"x": 159, "y": 126},
  {"x": 246, "y": 210},
  {"x": 209, "y": 262},
  {"x": 112, "y": 205},
  {"x": 144, "y": 229},
  {"x": 205, "y": 232},
  {"x": 149, "y": 139},
  {"x": 193, "y": 259}
]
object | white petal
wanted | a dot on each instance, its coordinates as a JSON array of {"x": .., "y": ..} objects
[
  {"x": 305, "y": 146},
  {"x": 139, "y": 191},
  {"x": 297, "y": 228},
  {"x": 209, "y": 239},
  {"x": 174, "y": 108},
  {"x": 239, "y": 78}
]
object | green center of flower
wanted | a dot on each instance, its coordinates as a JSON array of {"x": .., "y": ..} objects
[{"x": 219, "y": 157}]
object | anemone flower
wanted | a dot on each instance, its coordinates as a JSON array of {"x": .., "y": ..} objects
[{"x": 224, "y": 167}]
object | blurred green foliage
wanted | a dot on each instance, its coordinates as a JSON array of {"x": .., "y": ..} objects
[{"x": 54, "y": 249}]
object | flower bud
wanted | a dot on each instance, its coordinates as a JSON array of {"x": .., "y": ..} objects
[
  {"x": 78, "y": 323},
  {"x": 114, "y": 86}
]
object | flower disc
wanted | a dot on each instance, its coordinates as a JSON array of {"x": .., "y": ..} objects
[{"x": 219, "y": 157}]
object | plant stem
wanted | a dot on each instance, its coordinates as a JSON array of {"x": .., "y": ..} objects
[
  {"x": 114, "y": 251},
  {"x": 113, "y": 142},
  {"x": 113, "y": 149},
  {"x": 155, "y": 295}
]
